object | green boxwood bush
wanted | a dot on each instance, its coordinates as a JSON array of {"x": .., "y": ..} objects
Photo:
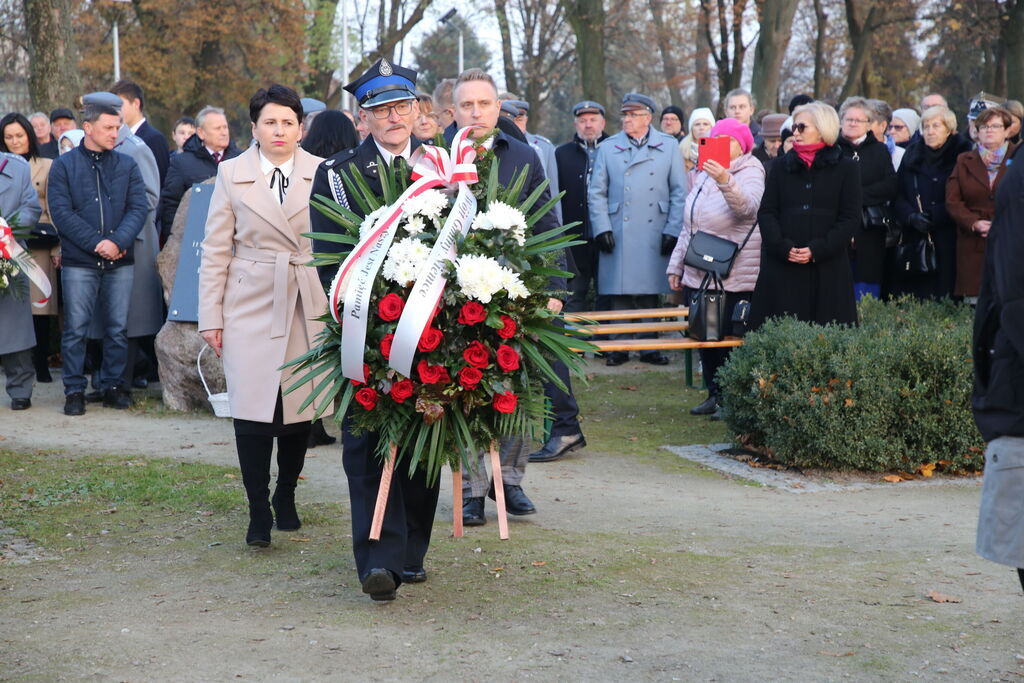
[{"x": 891, "y": 394}]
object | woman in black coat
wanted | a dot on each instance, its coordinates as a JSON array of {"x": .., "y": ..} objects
[
  {"x": 921, "y": 203},
  {"x": 809, "y": 212},
  {"x": 878, "y": 188}
]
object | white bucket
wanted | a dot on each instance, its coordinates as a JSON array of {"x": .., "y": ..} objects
[{"x": 221, "y": 407}]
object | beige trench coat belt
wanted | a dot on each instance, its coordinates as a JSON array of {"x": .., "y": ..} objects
[{"x": 281, "y": 260}]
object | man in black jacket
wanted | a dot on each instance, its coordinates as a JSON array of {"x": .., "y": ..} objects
[
  {"x": 97, "y": 201},
  {"x": 998, "y": 399},
  {"x": 134, "y": 118},
  {"x": 207, "y": 147}
]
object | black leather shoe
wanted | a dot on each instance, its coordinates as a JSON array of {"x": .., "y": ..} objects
[
  {"x": 717, "y": 415},
  {"x": 379, "y": 584},
  {"x": 74, "y": 403},
  {"x": 473, "y": 512},
  {"x": 656, "y": 358},
  {"x": 414, "y": 575},
  {"x": 21, "y": 403},
  {"x": 516, "y": 502},
  {"x": 318, "y": 436},
  {"x": 117, "y": 398},
  {"x": 614, "y": 358},
  {"x": 284, "y": 509},
  {"x": 94, "y": 396},
  {"x": 557, "y": 446},
  {"x": 708, "y": 407}
]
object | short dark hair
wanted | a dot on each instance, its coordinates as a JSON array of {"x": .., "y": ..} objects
[
  {"x": 15, "y": 117},
  {"x": 330, "y": 133},
  {"x": 992, "y": 113},
  {"x": 184, "y": 121},
  {"x": 92, "y": 112},
  {"x": 799, "y": 100},
  {"x": 129, "y": 90},
  {"x": 275, "y": 94}
]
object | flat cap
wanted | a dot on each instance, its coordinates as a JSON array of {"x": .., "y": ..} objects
[
  {"x": 632, "y": 101},
  {"x": 311, "y": 105},
  {"x": 61, "y": 113},
  {"x": 587, "y": 107},
  {"x": 382, "y": 83},
  {"x": 103, "y": 99}
]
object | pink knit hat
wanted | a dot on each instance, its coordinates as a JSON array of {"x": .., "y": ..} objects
[{"x": 737, "y": 131}]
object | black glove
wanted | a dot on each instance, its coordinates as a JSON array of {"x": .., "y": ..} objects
[
  {"x": 920, "y": 222},
  {"x": 668, "y": 244},
  {"x": 605, "y": 242}
]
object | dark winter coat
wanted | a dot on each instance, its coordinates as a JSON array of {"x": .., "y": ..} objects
[
  {"x": 573, "y": 178},
  {"x": 969, "y": 199},
  {"x": 998, "y": 398},
  {"x": 923, "y": 174},
  {"x": 95, "y": 197},
  {"x": 878, "y": 188},
  {"x": 193, "y": 165},
  {"x": 157, "y": 143},
  {"x": 817, "y": 207}
]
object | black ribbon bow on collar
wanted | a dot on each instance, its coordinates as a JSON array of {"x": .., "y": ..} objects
[{"x": 282, "y": 183}]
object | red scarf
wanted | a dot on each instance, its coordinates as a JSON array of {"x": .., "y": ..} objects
[{"x": 808, "y": 152}]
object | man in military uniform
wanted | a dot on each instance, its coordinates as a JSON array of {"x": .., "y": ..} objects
[
  {"x": 477, "y": 105},
  {"x": 387, "y": 106},
  {"x": 636, "y": 197},
  {"x": 519, "y": 112}
]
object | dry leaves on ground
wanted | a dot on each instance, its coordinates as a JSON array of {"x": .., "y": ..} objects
[{"x": 936, "y": 596}]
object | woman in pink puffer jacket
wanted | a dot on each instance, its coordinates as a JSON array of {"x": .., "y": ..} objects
[{"x": 723, "y": 202}]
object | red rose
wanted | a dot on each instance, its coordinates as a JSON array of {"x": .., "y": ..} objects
[
  {"x": 472, "y": 313},
  {"x": 508, "y": 359},
  {"x": 430, "y": 339},
  {"x": 432, "y": 374},
  {"x": 401, "y": 390},
  {"x": 505, "y": 403},
  {"x": 477, "y": 355},
  {"x": 390, "y": 307},
  {"x": 385, "y": 345},
  {"x": 367, "y": 398},
  {"x": 509, "y": 329},
  {"x": 366, "y": 376},
  {"x": 469, "y": 377}
]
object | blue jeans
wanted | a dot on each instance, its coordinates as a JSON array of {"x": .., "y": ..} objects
[{"x": 92, "y": 292}]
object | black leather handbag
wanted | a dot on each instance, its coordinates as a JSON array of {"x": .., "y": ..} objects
[
  {"x": 707, "y": 310},
  {"x": 883, "y": 219},
  {"x": 917, "y": 254},
  {"x": 42, "y": 236}
]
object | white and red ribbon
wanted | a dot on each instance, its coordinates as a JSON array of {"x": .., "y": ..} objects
[
  {"x": 12, "y": 251},
  {"x": 433, "y": 167}
]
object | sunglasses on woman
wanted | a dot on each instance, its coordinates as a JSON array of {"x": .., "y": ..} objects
[{"x": 800, "y": 127}]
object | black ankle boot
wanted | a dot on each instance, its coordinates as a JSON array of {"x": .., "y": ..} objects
[
  {"x": 708, "y": 407},
  {"x": 318, "y": 436},
  {"x": 284, "y": 508},
  {"x": 261, "y": 519}
]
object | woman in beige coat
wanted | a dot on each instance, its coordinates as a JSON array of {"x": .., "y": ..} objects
[{"x": 258, "y": 301}]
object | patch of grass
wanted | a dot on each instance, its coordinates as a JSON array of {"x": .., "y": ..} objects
[
  {"x": 149, "y": 402},
  {"x": 638, "y": 413}
]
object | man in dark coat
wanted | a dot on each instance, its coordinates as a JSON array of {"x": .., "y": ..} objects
[
  {"x": 97, "y": 201},
  {"x": 207, "y": 147},
  {"x": 387, "y": 99},
  {"x": 134, "y": 118},
  {"x": 477, "y": 105},
  {"x": 997, "y": 400}
]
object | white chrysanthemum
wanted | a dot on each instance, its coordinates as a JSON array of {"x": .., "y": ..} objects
[
  {"x": 406, "y": 271},
  {"x": 415, "y": 225},
  {"x": 479, "y": 277},
  {"x": 482, "y": 222},
  {"x": 371, "y": 218},
  {"x": 505, "y": 217},
  {"x": 430, "y": 204},
  {"x": 513, "y": 285},
  {"x": 406, "y": 258}
]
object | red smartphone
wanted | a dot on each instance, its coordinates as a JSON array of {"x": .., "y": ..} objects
[{"x": 715, "y": 149}]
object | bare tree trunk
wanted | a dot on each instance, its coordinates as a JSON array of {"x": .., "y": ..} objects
[
  {"x": 53, "y": 79},
  {"x": 587, "y": 18},
  {"x": 776, "y": 23},
  {"x": 321, "y": 32},
  {"x": 1013, "y": 39},
  {"x": 511, "y": 75},
  {"x": 664, "y": 37},
  {"x": 821, "y": 19},
  {"x": 702, "y": 87},
  {"x": 861, "y": 33}
]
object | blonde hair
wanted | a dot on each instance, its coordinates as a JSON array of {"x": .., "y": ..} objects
[
  {"x": 824, "y": 118},
  {"x": 940, "y": 112},
  {"x": 474, "y": 74}
]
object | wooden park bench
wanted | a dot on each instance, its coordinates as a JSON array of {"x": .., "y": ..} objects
[{"x": 672, "y": 319}]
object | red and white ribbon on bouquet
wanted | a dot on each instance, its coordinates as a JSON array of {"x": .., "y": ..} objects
[
  {"x": 12, "y": 251},
  {"x": 434, "y": 167}
]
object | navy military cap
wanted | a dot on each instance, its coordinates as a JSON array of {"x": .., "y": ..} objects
[
  {"x": 587, "y": 107},
  {"x": 103, "y": 99},
  {"x": 312, "y": 106},
  {"x": 522, "y": 105},
  {"x": 632, "y": 101},
  {"x": 382, "y": 83}
]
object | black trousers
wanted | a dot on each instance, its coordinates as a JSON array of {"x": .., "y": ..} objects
[
  {"x": 565, "y": 411},
  {"x": 584, "y": 280},
  {"x": 713, "y": 359},
  {"x": 409, "y": 518}
]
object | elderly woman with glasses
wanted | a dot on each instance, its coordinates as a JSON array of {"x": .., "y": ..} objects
[
  {"x": 810, "y": 210},
  {"x": 970, "y": 196},
  {"x": 878, "y": 189}
]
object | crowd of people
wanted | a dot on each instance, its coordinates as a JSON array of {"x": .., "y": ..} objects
[{"x": 825, "y": 203}]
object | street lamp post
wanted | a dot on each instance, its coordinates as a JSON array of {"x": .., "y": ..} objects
[
  {"x": 444, "y": 20},
  {"x": 115, "y": 38}
]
